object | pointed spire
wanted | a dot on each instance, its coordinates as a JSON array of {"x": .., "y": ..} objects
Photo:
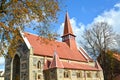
[
  {"x": 67, "y": 26},
  {"x": 68, "y": 36},
  {"x": 56, "y": 63}
]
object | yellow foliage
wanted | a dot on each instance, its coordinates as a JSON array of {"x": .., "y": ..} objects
[
  {"x": 15, "y": 1},
  {"x": 14, "y": 13}
]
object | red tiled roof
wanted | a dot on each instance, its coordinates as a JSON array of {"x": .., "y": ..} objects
[
  {"x": 56, "y": 63},
  {"x": 75, "y": 66},
  {"x": 46, "y": 47},
  {"x": 78, "y": 66}
]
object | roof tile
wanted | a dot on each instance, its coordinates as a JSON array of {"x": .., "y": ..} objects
[
  {"x": 75, "y": 66},
  {"x": 45, "y": 47}
]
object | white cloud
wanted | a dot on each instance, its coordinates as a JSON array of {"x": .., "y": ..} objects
[
  {"x": 112, "y": 17},
  {"x": 117, "y": 5},
  {"x": 77, "y": 29}
]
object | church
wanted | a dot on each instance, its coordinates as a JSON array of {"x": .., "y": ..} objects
[{"x": 38, "y": 58}]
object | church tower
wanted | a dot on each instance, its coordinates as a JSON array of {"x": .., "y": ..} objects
[{"x": 68, "y": 36}]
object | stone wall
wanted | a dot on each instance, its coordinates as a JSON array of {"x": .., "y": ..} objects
[
  {"x": 68, "y": 74},
  {"x": 36, "y": 64},
  {"x": 79, "y": 75},
  {"x": 58, "y": 74},
  {"x": 31, "y": 68},
  {"x": 8, "y": 65},
  {"x": 23, "y": 54}
]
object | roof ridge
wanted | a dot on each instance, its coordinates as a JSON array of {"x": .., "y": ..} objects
[{"x": 41, "y": 37}]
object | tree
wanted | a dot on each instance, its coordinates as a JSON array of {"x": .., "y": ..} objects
[
  {"x": 15, "y": 14},
  {"x": 118, "y": 43},
  {"x": 97, "y": 40}
]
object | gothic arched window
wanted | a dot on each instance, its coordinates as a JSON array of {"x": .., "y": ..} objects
[
  {"x": 16, "y": 68},
  {"x": 39, "y": 65}
]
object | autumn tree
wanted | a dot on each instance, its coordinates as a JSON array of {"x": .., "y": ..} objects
[
  {"x": 99, "y": 38},
  {"x": 15, "y": 14}
]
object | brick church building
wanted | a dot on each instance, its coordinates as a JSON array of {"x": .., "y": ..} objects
[{"x": 42, "y": 59}]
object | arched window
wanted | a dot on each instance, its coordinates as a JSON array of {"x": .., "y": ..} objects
[
  {"x": 89, "y": 74},
  {"x": 97, "y": 74},
  {"x": 79, "y": 74},
  {"x": 39, "y": 77},
  {"x": 16, "y": 68},
  {"x": 39, "y": 65},
  {"x": 66, "y": 74}
]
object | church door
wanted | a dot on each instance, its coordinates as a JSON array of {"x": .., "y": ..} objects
[{"x": 16, "y": 68}]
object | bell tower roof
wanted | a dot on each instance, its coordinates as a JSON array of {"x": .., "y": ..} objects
[
  {"x": 68, "y": 36},
  {"x": 67, "y": 26}
]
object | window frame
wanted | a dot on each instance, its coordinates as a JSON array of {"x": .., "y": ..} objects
[
  {"x": 67, "y": 74},
  {"x": 39, "y": 65},
  {"x": 88, "y": 74},
  {"x": 79, "y": 74}
]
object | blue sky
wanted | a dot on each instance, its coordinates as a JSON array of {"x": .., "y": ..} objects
[
  {"x": 86, "y": 10},
  {"x": 83, "y": 13}
]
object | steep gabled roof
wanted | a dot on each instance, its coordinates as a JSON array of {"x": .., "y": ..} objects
[
  {"x": 45, "y": 47},
  {"x": 56, "y": 63},
  {"x": 66, "y": 49},
  {"x": 74, "y": 66}
]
